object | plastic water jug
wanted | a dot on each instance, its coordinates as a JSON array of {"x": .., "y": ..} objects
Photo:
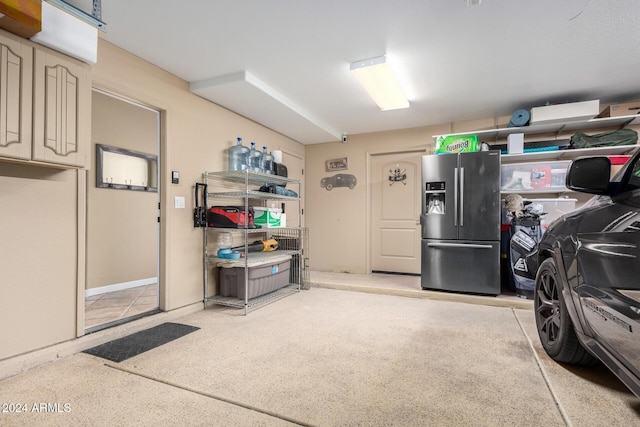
[
  {"x": 255, "y": 159},
  {"x": 238, "y": 156},
  {"x": 267, "y": 161}
]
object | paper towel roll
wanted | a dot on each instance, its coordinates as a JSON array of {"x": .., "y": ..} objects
[{"x": 277, "y": 156}]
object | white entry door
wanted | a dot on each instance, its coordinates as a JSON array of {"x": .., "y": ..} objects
[{"x": 395, "y": 212}]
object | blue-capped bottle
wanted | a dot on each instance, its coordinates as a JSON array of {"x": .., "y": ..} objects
[
  {"x": 238, "y": 156},
  {"x": 267, "y": 161},
  {"x": 255, "y": 159}
]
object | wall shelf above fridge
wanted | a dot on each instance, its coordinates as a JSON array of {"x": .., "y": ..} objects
[
  {"x": 495, "y": 135},
  {"x": 570, "y": 154}
]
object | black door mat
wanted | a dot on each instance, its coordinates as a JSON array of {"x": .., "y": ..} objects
[{"x": 134, "y": 344}]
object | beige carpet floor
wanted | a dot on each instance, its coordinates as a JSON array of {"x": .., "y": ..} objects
[{"x": 330, "y": 357}]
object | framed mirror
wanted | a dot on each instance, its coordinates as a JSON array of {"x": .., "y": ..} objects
[{"x": 123, "y": 169}]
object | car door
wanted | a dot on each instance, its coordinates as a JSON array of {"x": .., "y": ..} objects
[{"x": 608, "y": 253}]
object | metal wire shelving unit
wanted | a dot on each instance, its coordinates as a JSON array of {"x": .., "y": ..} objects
[{"x": 292, "y": 240}]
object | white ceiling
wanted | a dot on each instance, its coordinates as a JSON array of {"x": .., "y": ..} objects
[{"x": 285, "y": 63}]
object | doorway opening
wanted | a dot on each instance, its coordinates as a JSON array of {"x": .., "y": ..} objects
[{"x": 123, "y": 232}]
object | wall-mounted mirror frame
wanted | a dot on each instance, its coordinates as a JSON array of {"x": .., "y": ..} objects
[{"x": 124, "y": 169}]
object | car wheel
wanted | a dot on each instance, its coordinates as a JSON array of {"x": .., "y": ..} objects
[
  {"x": 555, "y": 329},
  {"x": 352, "y": 186},
  {"x": 329, "y": 187}
]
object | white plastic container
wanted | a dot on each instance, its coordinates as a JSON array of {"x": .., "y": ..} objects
[
  {"x": 515, "y": 143},
  {"x": 564, "y": 112},
  {"x": 545, "y": 177},
  {"x": 225, "y": 240}
]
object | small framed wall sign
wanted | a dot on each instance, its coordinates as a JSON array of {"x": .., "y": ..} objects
[{"x": 340, "y": 164}]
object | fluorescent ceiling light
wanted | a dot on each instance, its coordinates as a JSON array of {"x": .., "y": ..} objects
[{"x": 378, "y": 80}]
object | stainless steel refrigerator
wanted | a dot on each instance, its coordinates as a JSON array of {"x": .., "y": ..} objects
[{"x": 461, "y": 222}]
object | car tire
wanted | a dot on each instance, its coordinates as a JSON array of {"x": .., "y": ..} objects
[
  {"x": 352, "y": 186},
  {"x": 555, "y": 328},
  {"x": 329, "y": 187}
]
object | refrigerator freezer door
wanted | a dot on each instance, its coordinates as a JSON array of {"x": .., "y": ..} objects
[
  {"x": 461, "y": 266},
  {"x": 479, "y": 217},
  {"x": 441, "y": 169}
]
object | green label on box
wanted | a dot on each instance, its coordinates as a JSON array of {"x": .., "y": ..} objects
[
  {"x": 456, "y": 144},
  {"x": 267, "y": 217}
]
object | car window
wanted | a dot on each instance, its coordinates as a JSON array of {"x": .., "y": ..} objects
[
  {"x": 629, "y": 172},
  {"x": 634, "y": 178}
]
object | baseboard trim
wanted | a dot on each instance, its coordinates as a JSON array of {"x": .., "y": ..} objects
[{"x": 120, "y": 286}]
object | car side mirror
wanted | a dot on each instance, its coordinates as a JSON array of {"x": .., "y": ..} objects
[{"x": 589, "y": 175}]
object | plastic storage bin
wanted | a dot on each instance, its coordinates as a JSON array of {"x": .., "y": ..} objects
[
  {"x": 263, "y": 278},
  {"x": 534, "y": 177}
]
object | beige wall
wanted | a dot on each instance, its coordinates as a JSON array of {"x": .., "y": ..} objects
[
  {"x": 43, "y": 210},
  {"x": 339, "y": 220},
  {"x": 195, "y": 137}
]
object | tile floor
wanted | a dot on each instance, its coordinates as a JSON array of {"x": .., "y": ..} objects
[{"x": 114, "y": 306}]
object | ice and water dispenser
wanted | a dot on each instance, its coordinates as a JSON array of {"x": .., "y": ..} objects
[{"x": 435, "y": 202}]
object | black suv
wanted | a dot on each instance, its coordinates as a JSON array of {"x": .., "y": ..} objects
[{"x": 587, "y": 290}]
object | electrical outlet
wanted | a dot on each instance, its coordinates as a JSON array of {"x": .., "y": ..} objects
[{"x": 178, "y": 202}]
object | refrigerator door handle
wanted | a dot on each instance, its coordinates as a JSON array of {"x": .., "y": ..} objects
[
  {"x": 458, "y": 245},
  {"x": 455, "y": 197},
  {"x": 461, "y": 197}
]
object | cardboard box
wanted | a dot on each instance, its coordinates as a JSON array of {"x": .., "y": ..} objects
[
  {"x": 624, "y": 109},
  {"x": 565, "y": 112},
  {"x": 21, "y": 17},
  {"x": 456, "y": 144},
  {"x": 267, "y": 217}
]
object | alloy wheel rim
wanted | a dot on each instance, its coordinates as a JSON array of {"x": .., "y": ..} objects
[{"x": 548, "y": 310}]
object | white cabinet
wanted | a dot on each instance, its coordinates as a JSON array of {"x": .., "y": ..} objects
[
  {"x": 61, "y": 109},
  {"x": 240, "y": 188},
  {"x": 16, "y": 68},
  {"x": 45, "y": 104}
]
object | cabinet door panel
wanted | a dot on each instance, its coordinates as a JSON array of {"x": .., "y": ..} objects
[
  {"x": 62, "y": 102},
  {"x": 16, "y": 61}
]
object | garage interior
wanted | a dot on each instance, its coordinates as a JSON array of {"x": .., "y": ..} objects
[{"x": 363, "y": 344}]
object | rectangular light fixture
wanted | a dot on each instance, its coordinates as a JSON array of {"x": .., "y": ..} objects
[{"x": 378, "y": 80}]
